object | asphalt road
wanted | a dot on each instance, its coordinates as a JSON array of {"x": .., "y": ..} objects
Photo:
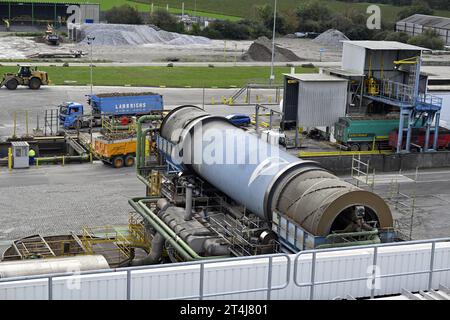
[{"x": 35, "y": 102}]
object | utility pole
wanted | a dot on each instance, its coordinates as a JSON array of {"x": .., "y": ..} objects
[
  {"x": 272, "y": 76},
  {"x": 90, "y": 41}
]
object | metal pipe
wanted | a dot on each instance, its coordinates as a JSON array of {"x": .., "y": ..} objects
[
  {"x": 83, "y": 157},
  {"x": 139, "y": 204},
  {"x": 263, "y": 177},
  {"x": 436, "y": 131},
  {"x": 53, "y": 265},
  {"x": 150, "y": 218},
  {"x": 188, "y": 213},
  {"x": 155, "y": 254}
]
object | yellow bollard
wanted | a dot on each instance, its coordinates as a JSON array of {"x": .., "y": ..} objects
[
  {"x": 224, "y": 100},
  {"x": 9, "y": 159},
  {"x": 258, "y": 99},
  {"x": 230, "y": 102},
  {"x": 269, "y": 99},
  {"x": 213, "y": 101},
  {"x": 63, "y": 160},
  {"x": 245, "y": 99},
  {"x": 37, "y": 162}
]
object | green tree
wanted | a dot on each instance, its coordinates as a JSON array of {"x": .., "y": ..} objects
[
  {"x": 429, "y": 39},
  {"x": 313, "y": 16},
  {"x": 166, "y": 21},
  {"x": 124, "y": 14},
  {"x": 417, "y": 6}
]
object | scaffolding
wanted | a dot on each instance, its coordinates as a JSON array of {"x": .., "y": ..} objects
[{"x": 116, "y": 243}]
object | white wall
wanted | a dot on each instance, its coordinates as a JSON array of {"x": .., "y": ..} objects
[{"x": 182, "y": 281}]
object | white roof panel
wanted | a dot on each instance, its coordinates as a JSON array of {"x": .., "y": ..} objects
[
  {"x": 385, "y": 45},
  {"x": 313, "y": 77}
]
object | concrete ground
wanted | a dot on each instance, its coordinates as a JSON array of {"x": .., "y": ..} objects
[
  {"x": 55, "y": 200},
  {"x": 35, "y": 102},
  {"x": 423, "y": 200}
]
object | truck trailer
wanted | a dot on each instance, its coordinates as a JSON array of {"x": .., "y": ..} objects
[
  {"x": 364, "y": 133},
  {"x": 72, "y": 115},
  {"x": 418, "y": 139}
]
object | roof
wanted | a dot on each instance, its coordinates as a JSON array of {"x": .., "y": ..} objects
[
  {"x": 310, "y": 77},
  {"x": 342, "y": 72},
  {"x": 20, "y": 144},
  {"x": 428, "y": 21},
  {"x": 384, "y": 45}
]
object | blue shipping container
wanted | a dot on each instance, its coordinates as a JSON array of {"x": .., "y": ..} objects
[{"x": 126, "y": 105}]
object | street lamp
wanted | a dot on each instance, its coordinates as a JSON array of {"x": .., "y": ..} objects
[
  {"x": 272, "y": 76},
  {"x": 90, "y": 41}
]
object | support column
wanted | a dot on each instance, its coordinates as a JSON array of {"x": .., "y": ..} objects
[
  {"x": 436, "y": 130},
  {"x": 408, "y": 133},
  {"x": 427, "y": 134},
  {"x": 400, "y": 132}
]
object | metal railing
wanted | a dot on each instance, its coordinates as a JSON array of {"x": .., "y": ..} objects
[
  {"x": 269, "y": 288},
  {"x": 312, "y": 283}
]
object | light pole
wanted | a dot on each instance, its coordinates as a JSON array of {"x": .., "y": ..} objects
[
  {"x": 272, "y": 76},
  {"x": 90, "y": 41}
]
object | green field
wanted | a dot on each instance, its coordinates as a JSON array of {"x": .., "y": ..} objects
[
  {"x": 243, "y": 9},
  {"x": 235, "y": 9},
  {"x": 197, "y": 77}
]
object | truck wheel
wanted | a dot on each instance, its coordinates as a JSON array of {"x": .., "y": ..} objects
[
  {"x": 34, "y": 84},
  {"x": 12, "y": 84},
  {"x": 354, "y": 147},
  {"x": 78, "y": 125},
  {"x": 364, "y": 147},
  {"x": 129, "y": 161},
  {"x": 118, "y": 162}
]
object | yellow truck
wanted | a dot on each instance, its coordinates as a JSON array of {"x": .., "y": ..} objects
[{"x": 117, "y": 152}]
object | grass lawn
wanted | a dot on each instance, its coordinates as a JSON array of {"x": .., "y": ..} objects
[
  {"x": 197, "y": 77},
  {"x": 239, "y": 8},
  {"x": 236, "y": 9}
]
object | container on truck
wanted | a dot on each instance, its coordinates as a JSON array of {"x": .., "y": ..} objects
[
  {"x": 118, "y": 105},
  {"x": 364, "y": 133}
]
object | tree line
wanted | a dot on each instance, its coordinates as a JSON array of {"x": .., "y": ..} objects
[{"x": 310, "y": 16}]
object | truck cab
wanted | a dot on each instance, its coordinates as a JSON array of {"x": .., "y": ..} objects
[{"x": 70, "y": 113}]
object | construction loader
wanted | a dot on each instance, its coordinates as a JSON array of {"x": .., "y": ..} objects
[{"x": 26, "y": 76}]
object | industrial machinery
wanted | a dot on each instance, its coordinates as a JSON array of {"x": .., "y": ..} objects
[
  {"x": 51, "y": 37},
  {"x": 26, "y": 76},
  {"x": 217, "y": 190}
]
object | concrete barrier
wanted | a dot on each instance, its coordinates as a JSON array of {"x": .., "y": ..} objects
[{"x": 387, "y": 163}]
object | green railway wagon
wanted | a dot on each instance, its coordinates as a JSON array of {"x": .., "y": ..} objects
[{"x": 364, "y": 133}]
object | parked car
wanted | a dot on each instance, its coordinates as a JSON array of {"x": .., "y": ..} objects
[{"x": 239, "y": 119}]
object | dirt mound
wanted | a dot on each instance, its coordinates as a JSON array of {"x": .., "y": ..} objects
[
  {"x": 331, "y": 37},
  {"x": 124, "y": 35},
  {"x": 261, "y": 50}
]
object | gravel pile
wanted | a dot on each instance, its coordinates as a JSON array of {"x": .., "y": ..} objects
[
  {"x": 261, "y": 50},
  {"x": 331, "y": 37},
  {"x": 123, "y": 35}
]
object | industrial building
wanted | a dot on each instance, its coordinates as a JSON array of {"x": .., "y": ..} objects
[
  {"x": 418, "y": 23},
  {"x": 378, "y": 81},
  {"x": 36, "y": 13}
]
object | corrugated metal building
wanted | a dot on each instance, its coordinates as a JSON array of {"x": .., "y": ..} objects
[
  {"x": 314, "y": 99},
  {"x": 26, "y": 12},
  {"x": 418, "y": 23}
]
